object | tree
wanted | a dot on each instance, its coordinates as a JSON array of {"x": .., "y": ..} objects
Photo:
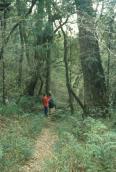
[
  {"x": 94, "y": 79},
  {"x": 3, "y": 7},
  {"x": 49, "y": 39},
  {"x": 22, "y": 44},
  {"x": 68, "y": 84}
]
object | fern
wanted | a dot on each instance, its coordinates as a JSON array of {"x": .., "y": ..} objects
[{"x": 84, "y": 146}]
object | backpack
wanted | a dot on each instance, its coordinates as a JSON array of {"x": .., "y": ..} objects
[{"x": 51, "y": 103}]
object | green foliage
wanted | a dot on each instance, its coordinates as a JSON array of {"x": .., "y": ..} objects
[
  {"x": 15, "y": 150},
  {"x": 17, "y": 140},
  {"x": 32, "y": 126},
  {"x": 25, "y": 105},
  {"x": 84, "y": 146},
  {"x": 10, "y": 109},
  {"x": 1, "y": 152},
  {"x": 29, "y": 104}
]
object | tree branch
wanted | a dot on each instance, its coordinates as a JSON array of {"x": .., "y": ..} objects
[
  {"x": 60, "y": 26},
  {"x": 14, "y": 27}
]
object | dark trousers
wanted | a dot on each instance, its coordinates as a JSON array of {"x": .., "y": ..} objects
[{"x": 46, "y": 111}]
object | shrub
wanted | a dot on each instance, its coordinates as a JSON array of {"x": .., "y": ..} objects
[
  {"x": 1, "y": 152},
  {"x": 15, "y": 149},
  {"x": 32, "y": 125},
  {"x": 29, "y": 104},
  {"x": 92, "y": 147},
  {"x": 10, "y": 109},
  {"x": 17, "y": 141}
]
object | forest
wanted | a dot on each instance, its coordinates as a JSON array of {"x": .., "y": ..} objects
[{"x": 64, "y": 51}]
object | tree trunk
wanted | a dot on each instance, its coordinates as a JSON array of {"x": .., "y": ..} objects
[
  {"x": 109, "y": 48},
  {"x": 30, "y": 85},
  {"x": 21, "y": 57},
  {"x": 48, "y": 70},
  {"x": 37, "y": 67},
  {"x": 93, "y": 73},
  {"x": 23, "y": 36},
  {"x": 3, "y": 79},
  {"x": 41, "y": 86},
  {"x": 49, "y": 29},
  {"x": 25, "y": 42},
  {"x": 3, "y": 28},
  {"x": 67, "y": 71},
  {"x": 19, "y": 80}
]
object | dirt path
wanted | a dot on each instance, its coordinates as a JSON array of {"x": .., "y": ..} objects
[{"x": 43, "y": 150}]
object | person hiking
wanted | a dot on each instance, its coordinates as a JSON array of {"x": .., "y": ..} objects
[
  {"x": 51, "y": 102},
  {"x": 45, "y": 101}
]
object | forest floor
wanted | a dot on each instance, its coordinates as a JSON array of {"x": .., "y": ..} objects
[{"x": 43, "y": 149}]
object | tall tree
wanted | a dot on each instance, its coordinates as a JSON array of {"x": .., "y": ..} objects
[
  {"x": 38, "y": 58},
  {"x": 93, "y": 73},
  {"x": 49, "y": 31},
  {"x": 18, "y": 4},
  {"x": 67, "y": 70},
  {"x": 4, "y": 6}
]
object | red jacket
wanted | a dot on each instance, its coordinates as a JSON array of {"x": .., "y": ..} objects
[{"x": 45, "y": 101}]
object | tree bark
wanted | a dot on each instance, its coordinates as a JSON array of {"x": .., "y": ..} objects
[
  {"x": 93, "y": 73},
  {"x": 3, "y": 79},
  {"x": 3, "y": 28},
  {"x": 49, "y": 29},
  {"x": 48, "y": 69},
  {"x": 36, "y": 68},
  {"x": 41, "y": 86},
  {"x": 21, "y": 57},
  {"x": 109, "y": 48},
  {"x": 67, "y": 71},
  {"x": 14, "y": 27},
  {"x": 30, "y": 85}
]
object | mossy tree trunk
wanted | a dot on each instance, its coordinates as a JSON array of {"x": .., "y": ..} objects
[
  {"x": 3, "y": 35},
  {"x": 19, "y": 79},
  {"x": 49, "y": 32},
  {"x": 68, "y": 84},
  {"x": 94, "y": 80},
  {"x": 37, "y": 68}
]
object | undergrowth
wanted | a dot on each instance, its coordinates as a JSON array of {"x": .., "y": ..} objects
[
  {"x": 26, "y": 104},
  {"x": 84, "y": 146},
  {"x": 17, "y": 138}
]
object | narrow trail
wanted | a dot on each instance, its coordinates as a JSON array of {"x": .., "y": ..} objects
[{"x": 43, "y": 149}]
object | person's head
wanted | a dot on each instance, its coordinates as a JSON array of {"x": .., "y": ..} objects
[
  {"x": 49, "y": 94},
  {"x": 44, "y": 95}
]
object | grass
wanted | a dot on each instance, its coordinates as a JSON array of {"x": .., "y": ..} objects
[
  {"x": 17, "y": 138},
  {"x": 84, "y": 146}
]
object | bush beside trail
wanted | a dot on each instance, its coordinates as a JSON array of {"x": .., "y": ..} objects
[
  {"x": 17, "y": 139},
  {"x": 84, "y": 146}
]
